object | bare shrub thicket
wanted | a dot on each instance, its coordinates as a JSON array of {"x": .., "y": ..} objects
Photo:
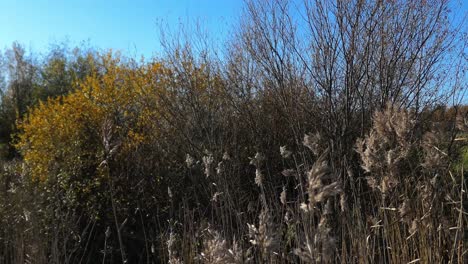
[{"x": 323, "y": 133}]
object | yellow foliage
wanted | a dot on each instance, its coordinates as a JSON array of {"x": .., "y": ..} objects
[
  {"x": 65, "y": 132},
  {"x": 65, "y": 135}
]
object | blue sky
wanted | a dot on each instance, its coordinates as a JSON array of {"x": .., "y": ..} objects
[{"x": 130, "y": 26}]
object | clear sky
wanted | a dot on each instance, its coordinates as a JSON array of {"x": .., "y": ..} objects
[{"x": 130, "y": 26}]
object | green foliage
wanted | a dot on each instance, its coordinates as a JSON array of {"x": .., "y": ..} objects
[
  {"x": 331, "y": 145},
  {"x": 462, "y": 161},
  {"x": 26, "y": 80}
]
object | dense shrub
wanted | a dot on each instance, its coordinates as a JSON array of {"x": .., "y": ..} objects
[{"x": 324, "y": 142}]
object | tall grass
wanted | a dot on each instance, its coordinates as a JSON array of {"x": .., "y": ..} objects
[
  {"x": 323, "y": 141},
  {"x": 407, "y": 205}
]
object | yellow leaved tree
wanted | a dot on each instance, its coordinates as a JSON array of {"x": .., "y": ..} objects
[
  {"x": 114, "y": 108},
  {"x": 124, "y": 112}
]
